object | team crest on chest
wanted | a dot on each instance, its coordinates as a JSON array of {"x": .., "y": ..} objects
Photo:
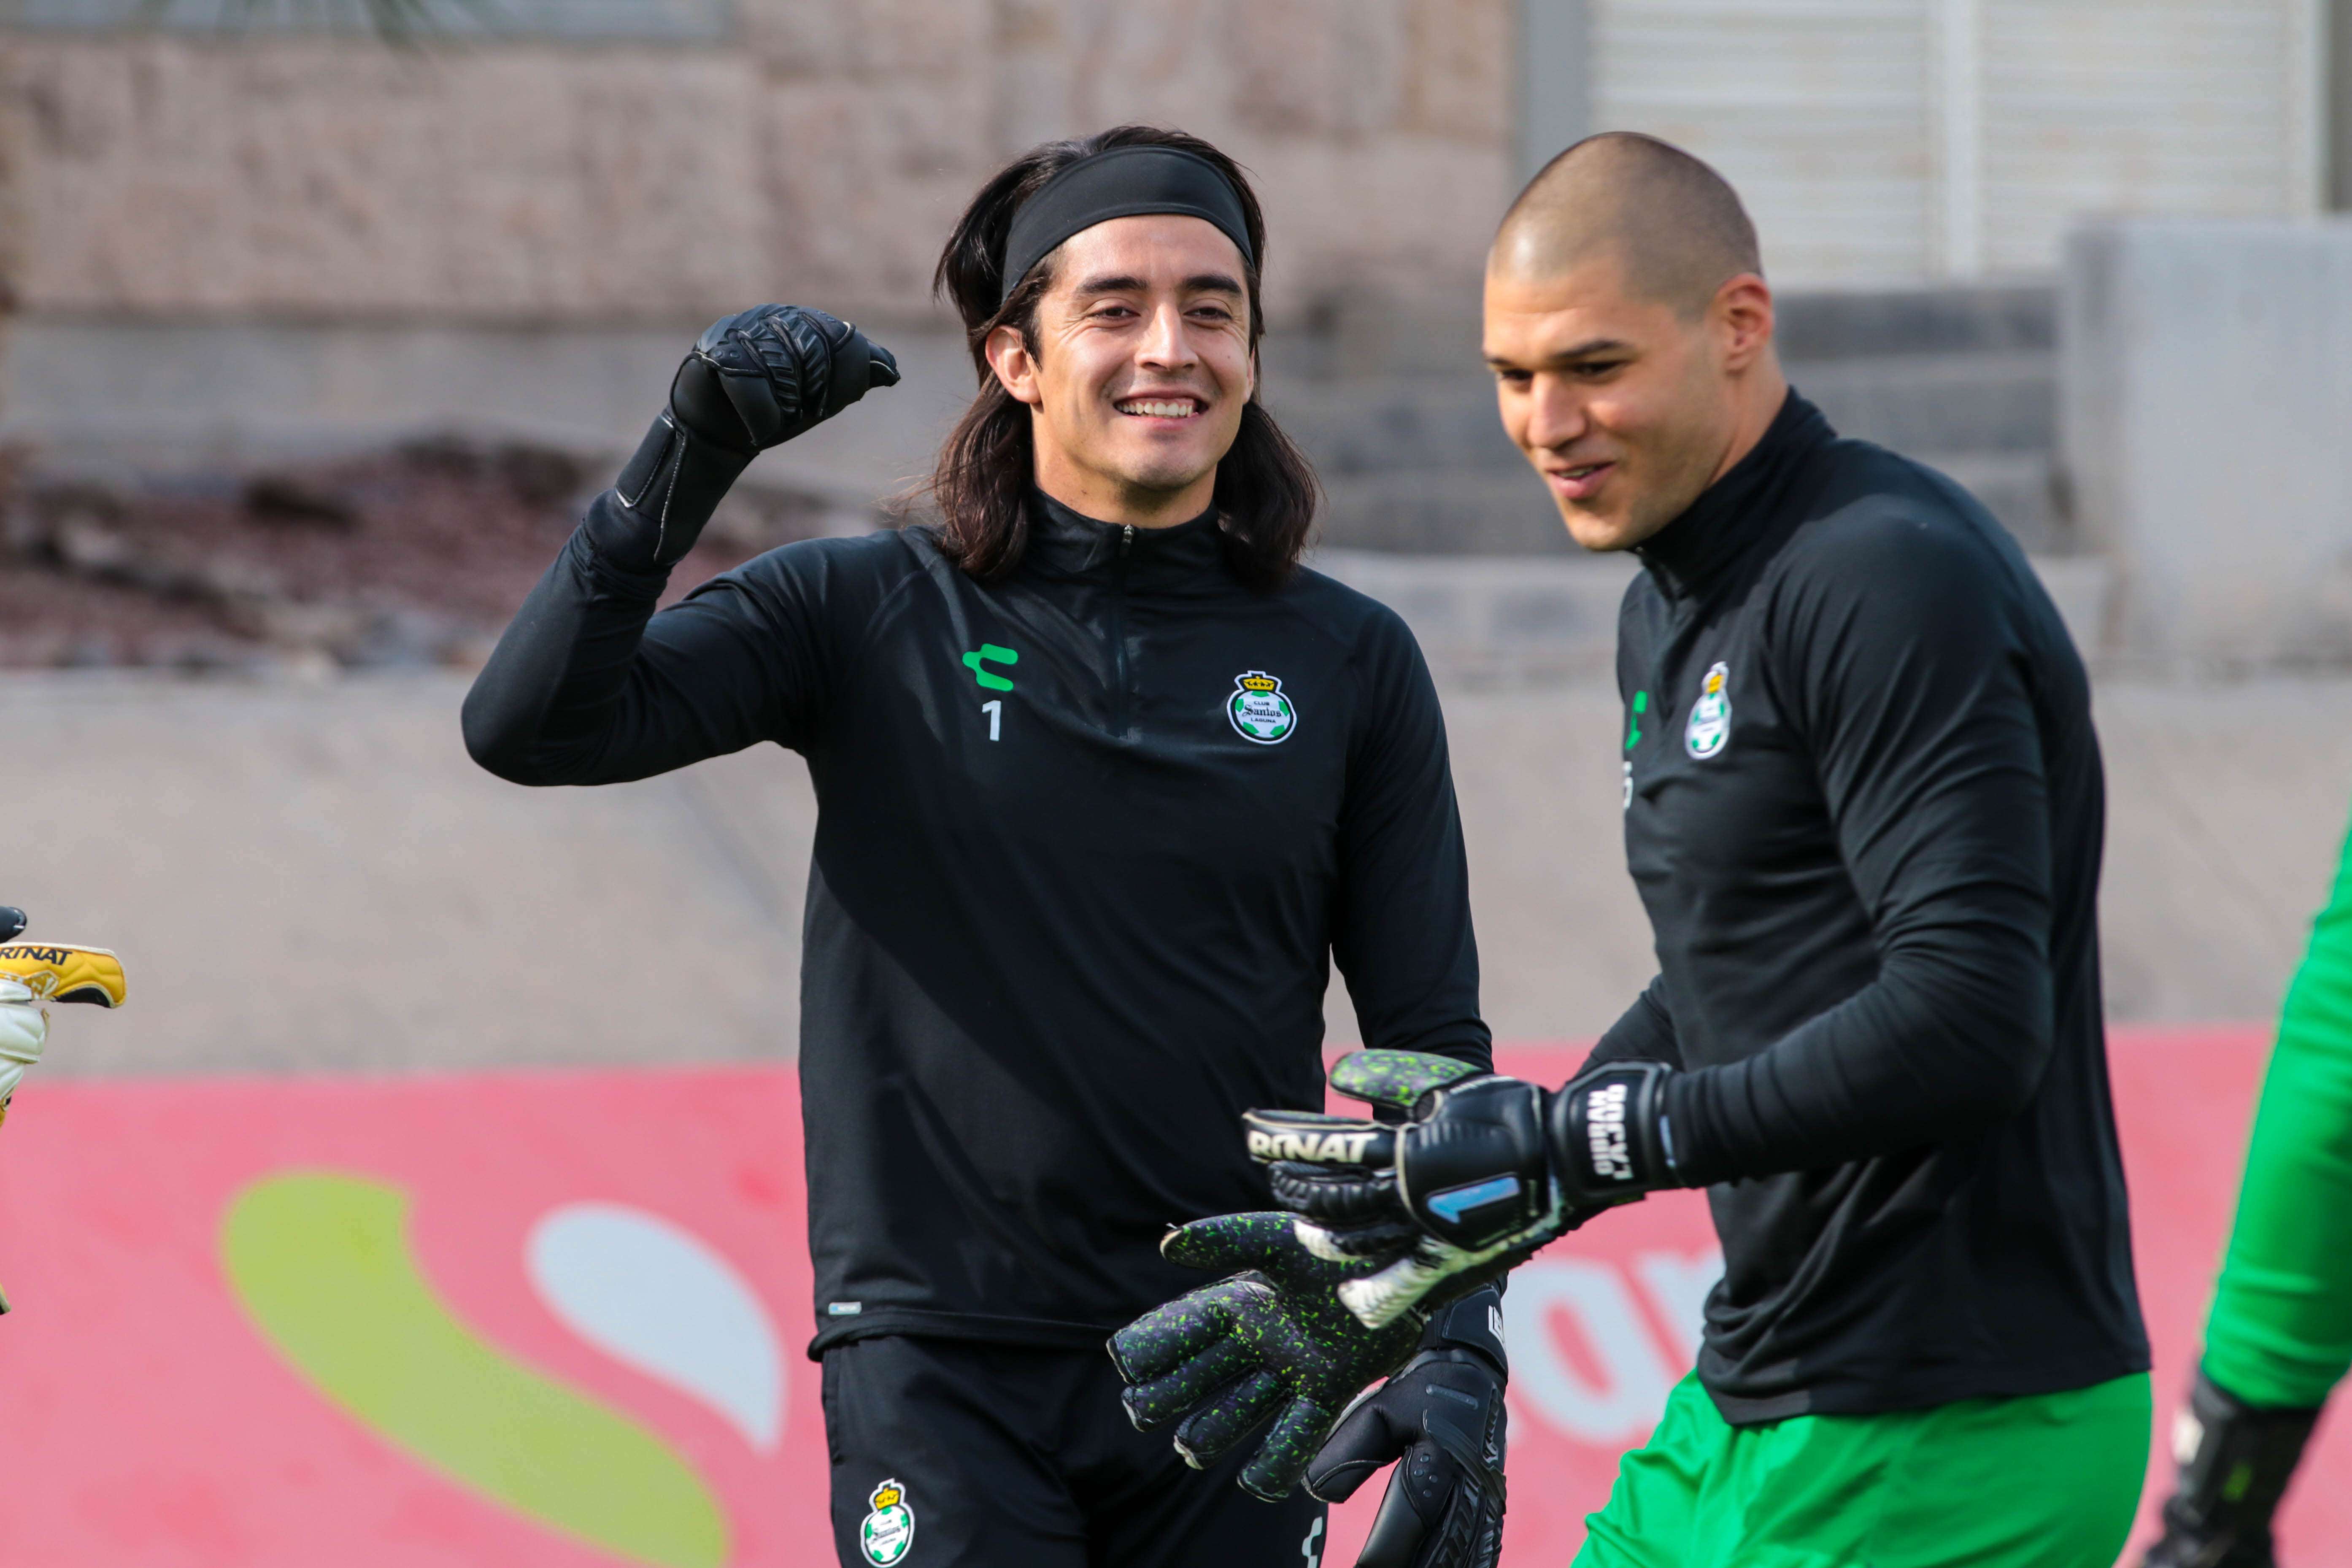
[
  {"x": 1710, "y": 717},
  {"x": 1260, "y": 711},
  {"x": 889, "y": 1529}
]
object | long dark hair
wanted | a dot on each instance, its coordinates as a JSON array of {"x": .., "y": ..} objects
[{"x": 1265, "y": 492}]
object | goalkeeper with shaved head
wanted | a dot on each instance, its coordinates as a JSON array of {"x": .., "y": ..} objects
[{"x": 1864, "y": 807}]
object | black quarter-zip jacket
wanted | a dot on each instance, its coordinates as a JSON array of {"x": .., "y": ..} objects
[
  {"x": 1087, "y": 841},
  {"x": 1864, "y": 809}
]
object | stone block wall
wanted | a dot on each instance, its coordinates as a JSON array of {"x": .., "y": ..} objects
[
  {"x": 2205, "y": 404},
  {"x": 820, "y": 154}
]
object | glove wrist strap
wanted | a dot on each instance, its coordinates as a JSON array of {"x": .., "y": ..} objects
[
  {"x": 2235, "y": 1462},
  {"x": 1473, "y": 1323},
  {"x": 668, "y": 492},
  {"x": 1608, "y": 1133}
]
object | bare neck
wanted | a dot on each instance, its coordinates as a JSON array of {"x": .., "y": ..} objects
[
  {"x": 1105, "y": 499},
  {"x": 1756, "y": 402}
]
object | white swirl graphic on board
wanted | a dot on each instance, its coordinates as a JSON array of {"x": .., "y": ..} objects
[
  {"x": 1593, "y": 1301},
  {"x": 657, "y": 1298}
]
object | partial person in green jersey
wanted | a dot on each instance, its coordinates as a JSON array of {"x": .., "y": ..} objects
[{"x": 2280, "y": 1336}]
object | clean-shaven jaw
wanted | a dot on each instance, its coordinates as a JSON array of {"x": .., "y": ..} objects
[
  {"x": 1141, "y": 370},
  {"x": 1627, "y": 407}
]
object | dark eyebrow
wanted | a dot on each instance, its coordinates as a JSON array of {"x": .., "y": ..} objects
[
  {"x": 1584, "y": 350},
  {"x": 1209, "y": 282}
]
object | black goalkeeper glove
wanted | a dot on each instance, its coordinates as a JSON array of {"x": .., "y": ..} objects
[
  {"x": 755, "y": 380},
  {"x": 1440, "y": 1421},
  {"x": 1486, "y": 1171},
  {"x": 1269, "y": 1342},
  {"x": 2235, "y": 1461}
]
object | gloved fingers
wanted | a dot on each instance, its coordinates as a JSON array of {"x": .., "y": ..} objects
[
  {"x": 1397, "y": 1533},
  {"x": 1209, "y": 1432},
  {"x": 1468, "y": 1421},
  {"x": 1381, "y": 1299},
  {"x": 13, "y": 922},
  {"x": 1396, "y": 1078},
  {"x": 1348, "y": 1142},
  {"x": 24, "y": 1027},
  {"x": 1337, "y": 1194},
  {"x": 859, "y": 365},
  {"x": 1231, "y": 1241},
  {"x": 1367, "y": 1439},
  {"x": 1353, "y": 1245},
  {"x": 64, "y": 971},
  {"x": 717, "y": 342},
  {"x": 1289, "y": 1446},
  {"x": 1165, "y": 1338},
  {"x": 1164, "y": 1398}
]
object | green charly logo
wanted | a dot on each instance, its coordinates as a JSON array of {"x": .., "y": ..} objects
[
  {"x": 986, "y": 653},
  {"x": 1260, "y": 711},
  {"x": 325, "y": 1265},
  {"x": 886, "y": 1533}
]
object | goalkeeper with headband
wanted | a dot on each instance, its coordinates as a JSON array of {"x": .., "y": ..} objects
[
  {"x": 1864, "y": 810},
  {"x": 1106, "y": 782}
]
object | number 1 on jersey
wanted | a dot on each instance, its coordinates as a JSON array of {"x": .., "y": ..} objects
[{"x": 995, "y": 711}]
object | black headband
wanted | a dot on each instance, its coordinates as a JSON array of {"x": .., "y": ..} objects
[{"x": 1123, "y": 182}]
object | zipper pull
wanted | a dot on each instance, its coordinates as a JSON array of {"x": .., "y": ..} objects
[{"x": 1126, "y": 537}]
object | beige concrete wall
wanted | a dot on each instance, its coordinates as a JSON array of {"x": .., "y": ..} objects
[{"x": 822, "y": 155}]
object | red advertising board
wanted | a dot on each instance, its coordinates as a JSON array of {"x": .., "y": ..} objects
[{"x": 557, "y": 1320}]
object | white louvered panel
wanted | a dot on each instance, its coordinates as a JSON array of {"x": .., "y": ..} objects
[
  {"x": 2192, "y": 107},
  {"x": 1821, "y": 112}
]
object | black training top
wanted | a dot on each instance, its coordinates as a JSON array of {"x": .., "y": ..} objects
[
  {"x": 1086, "y": 840},
  {"x": 1864, "y": 807}
]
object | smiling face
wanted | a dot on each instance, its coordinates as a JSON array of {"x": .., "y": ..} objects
[
  {"x": 1627, "y": 407},
  {"x": 1141, "y": 368}
]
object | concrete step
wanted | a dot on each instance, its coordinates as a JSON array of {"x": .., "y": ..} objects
[
  {"x": 1502, "y": 621},
  {"x": 1443, "y": 511},
  {"x": 1504, "y": 511},
  {"x": 1871, "y": 323},
  {"x": 1995, "y": 402},
  {"x": 2018, "y": 488},
  {"x": 1960, "y": 403},
  {"x": 1383, "y": 424}
]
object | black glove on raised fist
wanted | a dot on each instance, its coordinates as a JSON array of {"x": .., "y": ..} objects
[
  {"x": 755, "y": 380},
  {"x": 1440, "y": 1420}
]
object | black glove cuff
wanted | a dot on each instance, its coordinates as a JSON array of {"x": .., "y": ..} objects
[
  {"x": 1608, "y": 1132},
  {"x": 2235, "y": 1461},
  {"x": 1473, "y": 1323},
  {"x": 667, "y": 492}
]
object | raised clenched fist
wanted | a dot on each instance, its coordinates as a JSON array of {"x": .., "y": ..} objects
[
  {"x": 755, "y": 380},
  {"x": 759, "y": 378}
]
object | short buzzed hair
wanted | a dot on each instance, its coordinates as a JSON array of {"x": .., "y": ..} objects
[{"x": 1674, "y": 224}]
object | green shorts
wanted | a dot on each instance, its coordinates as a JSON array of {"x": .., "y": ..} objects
[{"x": 2046, "y": 1481}]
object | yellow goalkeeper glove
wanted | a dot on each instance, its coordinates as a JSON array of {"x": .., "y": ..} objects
[{"x": 32, "y": 973}]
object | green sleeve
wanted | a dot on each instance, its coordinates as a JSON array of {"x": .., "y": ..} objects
[{"x": 2281, "y": 1332}]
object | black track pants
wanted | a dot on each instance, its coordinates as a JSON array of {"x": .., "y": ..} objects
[{"x": 1012, "y": 1458}]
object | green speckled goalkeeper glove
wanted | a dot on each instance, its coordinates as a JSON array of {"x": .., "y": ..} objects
[{"x": 1272, "y": 1340}]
